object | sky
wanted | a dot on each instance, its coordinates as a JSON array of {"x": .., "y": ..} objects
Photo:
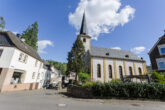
[{"x": 133, "y": 25}]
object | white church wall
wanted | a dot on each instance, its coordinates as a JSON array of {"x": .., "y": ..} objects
[
  {"x": 137, "y": 65},
  {"x": 109, "y": 62},
  {"x": 95, "y": 62},
  {"x": 120, "y": 63},
  {"x": 130, "y": 64}
]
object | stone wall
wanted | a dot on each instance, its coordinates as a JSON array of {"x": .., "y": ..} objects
[{"x": 79, "y": 92}]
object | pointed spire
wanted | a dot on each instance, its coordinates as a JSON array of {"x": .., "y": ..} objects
[{"x": 83, "y": 29}]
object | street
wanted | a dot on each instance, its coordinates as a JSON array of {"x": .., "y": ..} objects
[{"x": 51, "y": 100}]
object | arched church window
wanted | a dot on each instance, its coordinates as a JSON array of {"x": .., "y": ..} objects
[
  {"x": 98, "y": 70},
  {"x": 121, "y": 72},
  {"x": 110, "y": 71},
  {"x": 140, "y": 71},
  {"x": 130, "y": 71}
]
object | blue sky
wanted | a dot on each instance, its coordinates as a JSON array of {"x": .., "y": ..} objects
[{"x": 142, "y": 29}]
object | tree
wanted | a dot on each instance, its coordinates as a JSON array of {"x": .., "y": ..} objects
[
  {"x": 31, "y": 35},
  {"x": 2, "y": 23},
  {"x": 75, "y": 59},
  {"x": 59, "y": 66}
]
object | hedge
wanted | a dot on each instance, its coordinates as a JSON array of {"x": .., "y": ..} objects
[{"x": 128, "y": 90}]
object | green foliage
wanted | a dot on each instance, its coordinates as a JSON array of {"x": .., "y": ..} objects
[
  {"x": 158, "y": 77},
  {"x": 129, "y": 90},
  {"x": 2, "y": 23},
  {"x": 31, "y": 35},
  {"x": 59, "y": 66},
  {"x": 84, "y": 77},
  {"x": 76, "y": 58},
  {"x": 88, "y": 85},
  {"x": 115, "y": 80}
]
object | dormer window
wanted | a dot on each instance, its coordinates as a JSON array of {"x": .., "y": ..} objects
[
  {"x": 127, "y": 56},
  {"x": 107, "y": 54},
  {"x": 84, "y": 39}
]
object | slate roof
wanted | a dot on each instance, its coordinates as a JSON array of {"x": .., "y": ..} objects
[
  {"x": 113, "y": 53},
  {"x": 156, "y": 44},
  {"x": 83, "y": 29},
  {"x": 7, "y": 38}
]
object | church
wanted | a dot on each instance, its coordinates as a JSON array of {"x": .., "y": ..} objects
[{"x": 106, "y": 64}]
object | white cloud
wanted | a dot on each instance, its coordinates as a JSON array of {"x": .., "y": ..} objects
[
  {"x": 102, "y": 15},
  {"x": 118, "y": 48},
  {"x": 42, "y": 45},
  {"x": 138, "y": 50}
]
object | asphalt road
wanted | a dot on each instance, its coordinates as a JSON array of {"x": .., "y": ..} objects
[{"x": 51, "y": 100}]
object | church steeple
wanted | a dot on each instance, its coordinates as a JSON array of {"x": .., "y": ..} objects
[
  {"x": 86, "y": 39},
  {"x": 83, "y": 29}
]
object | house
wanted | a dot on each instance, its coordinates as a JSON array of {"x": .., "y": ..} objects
[
  {"x": 20, "y": 64},
  {"x": 157, "y": 55},
  {"x": 51, "y": 74},
  {"x": 106, "y": 64}
]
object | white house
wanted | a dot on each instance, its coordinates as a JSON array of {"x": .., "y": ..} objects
[
  {"x": 49, "y": 74},
  {"x": 106, "y": 64},
  {"x": 20, "y": 65}
]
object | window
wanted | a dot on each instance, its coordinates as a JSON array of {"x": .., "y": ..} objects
[
  {"x": 41, "y": 65},
  {"x": 110, "y": 71},
  {"x": 38, "y": 77},
  {"x": 1, "y": 52},
  {"x": 127, "y": 56},
  {"x": 140, "y": 71},
  {"x": 36, "y": 63},
  {"x": 107, "y": 54},
  {"x": 121, "y": 72},
  {"x": 130, "y": 71},
  {"x": 20, "y": 56},
  {"x": 84, "y": 39},
  {"x": 0, "y": 71},
  {"x": 33, "y": 75},
  {"x": 98, "y": 70},
  {"x": 17, "y": 77},
  {"x": 25, "y": 58},
  {"x": 161, "y": 65},
  {"x": 162, "y": 50}
]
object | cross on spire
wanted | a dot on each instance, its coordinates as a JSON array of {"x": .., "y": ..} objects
[{"x": 83, "y": 29}]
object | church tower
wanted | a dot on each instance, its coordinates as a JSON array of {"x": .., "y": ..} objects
[{"x": 86, "y": 39}]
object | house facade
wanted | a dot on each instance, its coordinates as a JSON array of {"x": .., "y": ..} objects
[
  {"x": 51, "y": 74},
  {"x": 20, "y": 64},
  {"x": 157, "y": 55},
  {"x": 106, "y": 64}
]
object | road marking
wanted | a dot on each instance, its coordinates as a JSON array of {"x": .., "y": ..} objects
[{"x": 61, "y": 105}]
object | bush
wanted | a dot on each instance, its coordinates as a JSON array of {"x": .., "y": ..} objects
[
  {"x": 158, "y": 77},
  {"x": 115, "y": 80},
  {"x": 129, "y": 90},
  {"x": 88, "y": 85},
  {"x": 84, "y": 77}
]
